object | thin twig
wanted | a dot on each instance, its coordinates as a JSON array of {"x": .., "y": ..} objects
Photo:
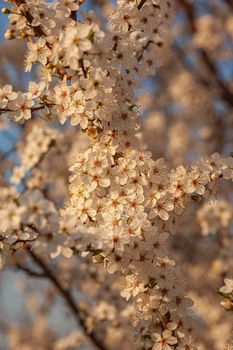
[
  {"x": 33, "y": 109},
  {"x": 30, "y": 272},
  {"x": 188, "y": 66},
  {"x": 140, "y": 5},
  {"x": 83, "y": 68}
]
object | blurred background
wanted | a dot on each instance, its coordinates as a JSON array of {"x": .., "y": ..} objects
[{"x": 187, "y": 113}]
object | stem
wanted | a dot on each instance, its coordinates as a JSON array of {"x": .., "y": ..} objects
[
  {"x": 33, "y": 109},
  {"x": 83, "y": 68}
]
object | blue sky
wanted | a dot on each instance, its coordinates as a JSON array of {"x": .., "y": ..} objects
[{"x": 3, "y": 20}]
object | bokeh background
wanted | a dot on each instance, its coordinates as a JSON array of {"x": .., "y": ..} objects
[{"x": 187, "y": 113}]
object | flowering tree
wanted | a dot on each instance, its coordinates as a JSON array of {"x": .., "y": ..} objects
[{"x": 111, "y": 225}]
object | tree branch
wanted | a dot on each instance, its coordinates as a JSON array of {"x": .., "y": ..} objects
[
  {"x": 67, "y": 296},
  {"x": 33, "y": 109},
  {"x": 225, "y": 92},
  {"x": 30, "y": 272},
  {"x": 229, "y": 3}
]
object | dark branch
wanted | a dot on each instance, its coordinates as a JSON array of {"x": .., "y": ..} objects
[
  {"x": 30, "y": 272},
  {"x": 65, "y": 293},
  {"x": 225, "y": 92},
  {"x": 73, "y": 15},
  {"x": 83, "y": 68},
  {"x": 33, "y": 109},
  {"x": 141, "y": 3},
  {"x": 229, "y": 3}
]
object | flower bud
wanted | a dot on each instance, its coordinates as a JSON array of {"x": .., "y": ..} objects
[
  {"x": 9, "y": 34},
  {"x": 5, "y": 11}
]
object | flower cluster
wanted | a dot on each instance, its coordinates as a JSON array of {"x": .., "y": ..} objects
[
  {"x": 40, "y": 140},
  {"x": 29, "y": 209},
  {"x": 20, "y": 105},
  {"x": 215, "y": 216},
  {"x": 127, "y": 202},
  {"x": 26, "y": 218},
  {"x": 79, "y": 52}
]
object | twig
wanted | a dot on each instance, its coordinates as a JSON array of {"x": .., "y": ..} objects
[
  {"x": 225, "y": 92},
  {"x": 33, "y": 109},
  {"x": 30, "y": 272},
  {"x": 188, "y": 66},
  {"x": 73, "y": 15},
  {"x": 83, "y": 67},
  {"x": 142, "y": 2}
]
